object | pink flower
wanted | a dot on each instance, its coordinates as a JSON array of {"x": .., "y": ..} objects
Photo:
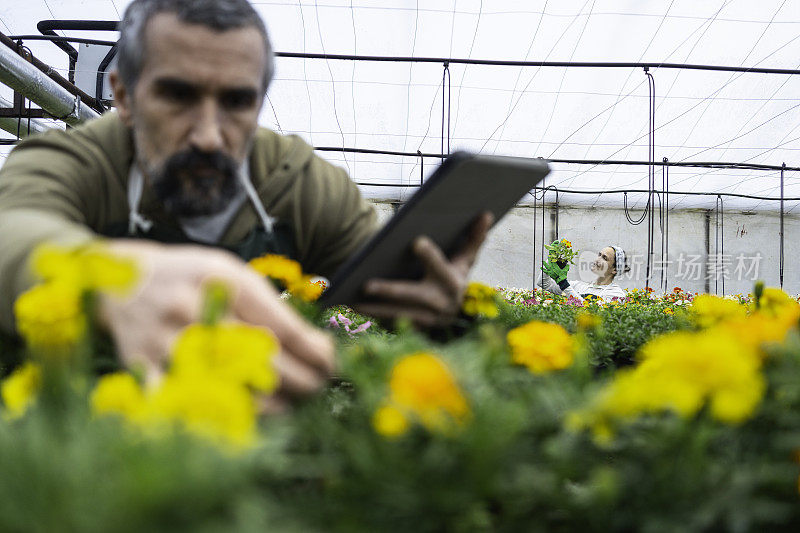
[
  {"x": 360, "y": 329},
  {"x": 336, "y": 322}
]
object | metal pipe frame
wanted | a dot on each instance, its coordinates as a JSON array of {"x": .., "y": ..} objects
[
  {"x": 663, "y": 163},
  {"x": 109, "y": 25},
  {"x": 20, "y": 126},
  {"x": 38, "y": 87},
  {"x": 52, "y": 73},
  {"x": 57, "y": 39},
  {"x": 568, "y": 64}
]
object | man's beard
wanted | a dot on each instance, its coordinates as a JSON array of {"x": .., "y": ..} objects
[{"x": 193, "y": 183}]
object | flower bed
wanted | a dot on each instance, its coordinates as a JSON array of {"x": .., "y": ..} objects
[{"x": 540, "y": 413}]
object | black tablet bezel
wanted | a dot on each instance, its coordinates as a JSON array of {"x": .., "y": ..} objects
[{"x": 539, "y": 169}]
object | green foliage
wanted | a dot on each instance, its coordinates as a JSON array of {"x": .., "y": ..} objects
[
  {"x": 363, "y": 481},
  {"x": 516, "y": 465},
  {"x": 94, "y": 475},
  {"x": 561, "y": 251},
  {"x": 10, "y": 353},
  {"x": 517, "y": 468},
  {"x": 624, "y": 329}
]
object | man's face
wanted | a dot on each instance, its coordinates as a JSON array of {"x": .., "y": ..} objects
[{"x": 194, "y": 110}]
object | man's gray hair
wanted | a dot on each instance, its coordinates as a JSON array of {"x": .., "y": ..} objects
[{"x": 220, "y": 15}]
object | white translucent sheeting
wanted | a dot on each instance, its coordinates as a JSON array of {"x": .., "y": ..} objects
[{"x": 551, "y": 112}]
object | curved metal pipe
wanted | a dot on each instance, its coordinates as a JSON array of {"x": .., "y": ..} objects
[
  {"x": 51, "y": 72},
  {"x": 36, "y": 86}
]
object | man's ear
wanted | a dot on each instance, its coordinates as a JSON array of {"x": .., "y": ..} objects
[{"x": 122, "y": 98}]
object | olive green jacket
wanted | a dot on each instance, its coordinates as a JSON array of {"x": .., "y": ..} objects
[{"x": 68, "y": 187}]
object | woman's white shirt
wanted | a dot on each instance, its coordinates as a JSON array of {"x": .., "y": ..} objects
[{"x": 578, "y": 289}]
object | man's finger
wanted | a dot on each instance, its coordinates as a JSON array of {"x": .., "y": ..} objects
[
  {"x": 436, "y": 263},
  {"x": 185, "y": 309},
  {"x": 144, "y": 363},
  {"x": 255, "y": 305},
  {"x": 152, "y": 349},
  {"x": 297, "y": 378},
  {"x": 312, "y": 346},
  {"x": 414, "y": 293},
  {"x": 272, "y": 405},
  {"x": 478, "y": 232}
]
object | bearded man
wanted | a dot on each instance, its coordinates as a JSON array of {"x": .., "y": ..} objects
[{"x": 182, "y": 179}]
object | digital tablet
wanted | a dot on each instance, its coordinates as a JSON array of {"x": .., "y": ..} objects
[{"x": 444, "y": 208}]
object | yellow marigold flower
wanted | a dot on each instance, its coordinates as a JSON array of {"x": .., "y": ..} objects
[
  {"x": 708, "y": 310},
  {"x": 649, "y": 392},
  {"x": 775, "y": 302},
  {"x": 680, "y": 371},
  {"x": 479, "y": 299},
  {"x": 541, "y": 346},
  {"x": 669, "y": 311},
  {"x": 216, "y": 409},
  {"x": 278, "y": 267},
  {"x": 587, "y": 321},
  {"x": 602, "y": 432},
  {"x": 107, "y": 272},
  {"x": 662, "y": 345},
  {"x": 89, "y": 267},
  {"x": 389, "y": 421},
  {"x": 50, "y": 316},
  {"x": 51, "y": 262},
  {"x": 118, "y": 393},
  {"x": 19, "y": 389},
  {"x": 236, "y": 353},
  {"x": 422, "y": 385},
  {"x": 305, "y": 289},
  {"x": 577, "y": 420},
  {"x": 762, "y": 328}
]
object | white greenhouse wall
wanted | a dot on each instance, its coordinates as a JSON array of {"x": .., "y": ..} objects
[{"x": 749, "y": 249}]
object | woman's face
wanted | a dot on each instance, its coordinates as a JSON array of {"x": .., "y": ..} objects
[{"x": 604, "y": 262}]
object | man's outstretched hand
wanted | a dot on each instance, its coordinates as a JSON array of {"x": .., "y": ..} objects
[
  {"x": 170, "y": 296},
  {"x": 436, "y": 299}
]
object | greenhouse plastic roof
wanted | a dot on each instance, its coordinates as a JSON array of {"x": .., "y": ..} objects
[{"x": 552, "y": 112}]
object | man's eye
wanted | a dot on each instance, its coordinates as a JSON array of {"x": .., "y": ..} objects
[
  {"x": 238, "y": 100},
  {"x": 178, "y": 94}
]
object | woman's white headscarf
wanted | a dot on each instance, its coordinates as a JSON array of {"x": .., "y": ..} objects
[{"x": 619, "y": 260}]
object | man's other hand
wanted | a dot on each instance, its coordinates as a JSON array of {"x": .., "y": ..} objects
[
  {"x": 436, "y": 299},
  {"x": 170, "y": 296}
]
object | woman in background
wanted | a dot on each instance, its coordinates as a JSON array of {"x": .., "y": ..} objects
[{"x": 610, "y": 263}]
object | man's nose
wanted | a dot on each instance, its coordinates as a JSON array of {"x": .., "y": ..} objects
[{"x": 206, "y": 133}]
